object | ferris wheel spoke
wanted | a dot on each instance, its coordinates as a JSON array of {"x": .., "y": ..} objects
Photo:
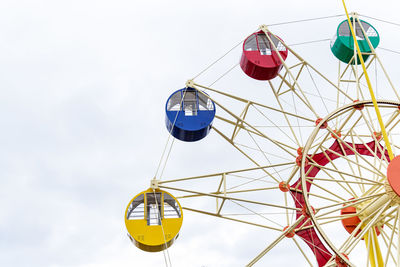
[
  {"x": 229, "y": 198},
  {"x": 344, "y": 204},
  {"x": 280, "y": 145},
  {"x": 317, "y": 89},
  {"x": 258, "y": 214},
  {"x": 285, "y": 195},
  {"x": 336, "y": 133},
  {"x": 224, "y": 188},
  {"x": 244, "y": 153},
  {"x": 232, "y": 219},
  {"x": 388, "y": 245},
  {"x": 394, "y": 125},
  {"x": 246, "y": 101},
  {"x": 283, "y": 81},
  {"x": 302, "y": 251},
  {"x": 373, "y": 134},
  {"x": 346, "y": 173},
  {"x": 373, "y": 170},
  {"x": 345, "y": 156},
  {"x": 392, "y": 227},
  {"x": 336, "y": 170},
  {"x": 334, "y": 85},
  {"x": 338, "y": 116},
  {"x": 297, "y": 120},
  {"x": 392, "y": 118},
  {"x": 381, "y": 155},
  {"x": 332, "y": 134},
  {"x": 297, "y": 110},
  {"x": 242, "y": 116},
  {"x": 322, "y": 197},
  {"x": 317, "y": 147},
  {"x": 390, "y": 242},
  {"x": 220, "y": 174},
  {"x": 317, "y": 250},
  {"x": 252, "y": 130},
  {"x": 311, "y": 66},
  {"x": 333, "y": 219},
  {"x": 333, "y": 180},
  {"x": 306, "y": 102},
  {"x": 253, "y": 214},
  {"x": 294, "y": 140},
  {"x": 266, "y": 158},
  {"x": 255, "y": 131},
  {"x": 360, "y": 174},
  {"x": 231, "y": 192},
  {"x": 303, "y": 98},
  {"x": 373, "y": 120},
  {"x": 351, "y": 192},
  {"x": 326, "y": 190},
  {"x": 262, "y": 151},
  {"x": 252, "y": 180},
  {"x": 390, "y": 216},
  {"x": 286, "y": 117},
  {"x": 323, "y": 97},
  {"x": 287, "y": 77},
  {"x": 276, "y": 241},
  {"x": 382, "y": 160}
]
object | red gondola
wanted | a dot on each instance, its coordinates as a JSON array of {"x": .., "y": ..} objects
[{"x": 259, "y": 58}]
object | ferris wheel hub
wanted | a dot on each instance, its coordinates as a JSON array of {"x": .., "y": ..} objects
[
  {"x": 360, "y": 214},
  {"x": 393, "y": 175}
]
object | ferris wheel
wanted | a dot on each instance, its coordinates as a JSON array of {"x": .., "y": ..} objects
[{"x": 324, "y": 175}]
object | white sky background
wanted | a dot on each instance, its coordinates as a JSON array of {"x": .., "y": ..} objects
[{"x": 82, "y": 91}]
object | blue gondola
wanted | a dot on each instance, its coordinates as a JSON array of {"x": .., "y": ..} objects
[{"x": 189, "y": 114}]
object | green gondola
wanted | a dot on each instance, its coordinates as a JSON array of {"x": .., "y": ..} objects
[{"x": 342, "y": 44}]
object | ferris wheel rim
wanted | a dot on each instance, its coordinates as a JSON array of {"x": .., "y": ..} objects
[{"x": 307, "y": 147}]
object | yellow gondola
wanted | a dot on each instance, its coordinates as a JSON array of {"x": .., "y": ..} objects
[{"x": 153, "y": 219}]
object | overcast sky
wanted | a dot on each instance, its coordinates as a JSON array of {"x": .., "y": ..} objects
[{"x": 82, "y": 91}]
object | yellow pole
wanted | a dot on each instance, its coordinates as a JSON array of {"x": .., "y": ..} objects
[
  {"x": 373, "y": 247},
  {"x": 371, "y": 92},
  {"x": 378, "y": 261}
]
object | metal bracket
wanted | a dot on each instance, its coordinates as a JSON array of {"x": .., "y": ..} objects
[
  {"x": 154, "y": 184},
  {"x": 354, "y": 15},
  {"x": 190, "y": 83},
  {"x": 264, "y": 28}
]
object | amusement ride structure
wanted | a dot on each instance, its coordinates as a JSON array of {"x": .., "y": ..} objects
[{"x": 325, "y": 174}]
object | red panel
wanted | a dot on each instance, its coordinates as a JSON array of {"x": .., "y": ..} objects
[{"x": 310, "y": 235}]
